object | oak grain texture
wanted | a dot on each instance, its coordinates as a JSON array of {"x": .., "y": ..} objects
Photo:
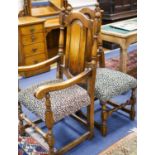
[{"x": 32, "y": 43}]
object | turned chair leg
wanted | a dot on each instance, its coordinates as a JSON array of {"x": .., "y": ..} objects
[
  {"x": 20, "y": 124},
  {"x": 90, "y": 119},
  {"x": 104, "y": 117},
  {"x": 133, "y": 102},
  {"x": 50, "y": 141},
  {"x": 49, "y": 121}
]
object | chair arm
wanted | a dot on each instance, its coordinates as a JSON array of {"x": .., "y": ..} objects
[
  {"x": 42, "y": 90},
  {"x": 39, "y": 65}
]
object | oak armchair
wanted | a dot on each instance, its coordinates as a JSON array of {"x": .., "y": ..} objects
[
  {"x": 46, "y": 98},
  {"x": 110, "y": 83}
]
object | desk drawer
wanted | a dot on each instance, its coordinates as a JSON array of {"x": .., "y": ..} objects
[
  {"x": 34, "y": 49},
  {"x": 35, "y": 59},
  {"x": 34, "y": 38},
  {"x": 26, "y": 30}
]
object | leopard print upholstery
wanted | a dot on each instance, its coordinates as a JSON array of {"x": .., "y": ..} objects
[
  {"x": 63, "y": 102},
  {"x": 110, "y": 83}
]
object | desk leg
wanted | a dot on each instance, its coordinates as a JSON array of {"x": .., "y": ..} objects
[{"x": 123, "y": 59}]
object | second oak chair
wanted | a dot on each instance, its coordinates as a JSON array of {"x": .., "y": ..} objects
[{"x": 110, "y": 83}]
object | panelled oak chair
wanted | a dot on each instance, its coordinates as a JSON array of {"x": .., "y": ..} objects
[
  {"x": 55, "y": 99},
  {"x": 110, "y": 83}
]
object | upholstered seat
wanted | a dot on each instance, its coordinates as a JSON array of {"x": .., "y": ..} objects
[
  {"x": 63, "y": 102},
  {"x": 110, "y": 83}
]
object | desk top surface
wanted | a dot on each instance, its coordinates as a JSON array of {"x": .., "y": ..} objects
[
  {"x": 27, "y": 20},
  {"x": 115, "y": 29},
  {"x": 52, "y": 23},
  {"x": 48, "y": 23}
]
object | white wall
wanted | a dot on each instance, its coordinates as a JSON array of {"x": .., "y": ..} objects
[{"x": 20, "y": 5}]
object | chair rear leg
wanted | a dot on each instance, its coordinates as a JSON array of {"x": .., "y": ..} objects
[
  {"x": 104, "y": 117},
  {"x": 133, "y": 102},
  {"x": 21, "y": 129}
]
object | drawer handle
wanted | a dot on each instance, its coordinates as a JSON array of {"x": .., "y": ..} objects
[
  {"x": 34, "y": 50},
  {"x": 32, "y": 30},
  {"x": 35, "y": 62},
  {"x": 33, "y": 38}
]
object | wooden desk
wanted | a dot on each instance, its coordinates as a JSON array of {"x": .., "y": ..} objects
[
  {"x": 38, "y": 40},
  {"x": 38, "y": 32},
  {"x": 32, "y": 43},
  {"x": 121, "y": 37}
]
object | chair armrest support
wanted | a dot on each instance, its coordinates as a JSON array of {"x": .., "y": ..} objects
[
  {"x": 42, "y": 90},
  {"x": 39, "y": 65}
]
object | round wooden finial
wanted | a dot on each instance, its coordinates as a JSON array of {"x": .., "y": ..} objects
[
  {"x": 97, "y": 4},
  {"x": 69, "y": 8},
  {"x": 65, "y": 3},
  {"x": 98, "y": 14}
]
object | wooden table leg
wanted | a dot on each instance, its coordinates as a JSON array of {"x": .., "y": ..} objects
[{"x": 123, "y": 58}]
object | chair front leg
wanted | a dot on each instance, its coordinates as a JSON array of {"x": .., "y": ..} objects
[
  {"x": 20, "y": 123},
  {"x": 49, "y": 123},
  {"x": 90, "y": 118},
  {"x": 133, "y": 102},
  {"x": 104, "y": 117}
]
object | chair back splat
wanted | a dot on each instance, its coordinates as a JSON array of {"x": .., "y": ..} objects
[
  {"x": 79, "y": 44},
  {"x": 91, "y": 15}
]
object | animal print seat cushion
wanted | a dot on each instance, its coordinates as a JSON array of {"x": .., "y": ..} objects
[
  {"x": 63, "y": 102},
  {"x": 110, "y": 83}
]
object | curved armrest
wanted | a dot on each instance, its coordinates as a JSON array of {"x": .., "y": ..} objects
[
  {"x": 39, "y": 65},
  {"x": 42, "y": 90}
]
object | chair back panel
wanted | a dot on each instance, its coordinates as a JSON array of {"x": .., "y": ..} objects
[
  {"x": 77, "y": 40},
  {"x": 91, "y": 15}
]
